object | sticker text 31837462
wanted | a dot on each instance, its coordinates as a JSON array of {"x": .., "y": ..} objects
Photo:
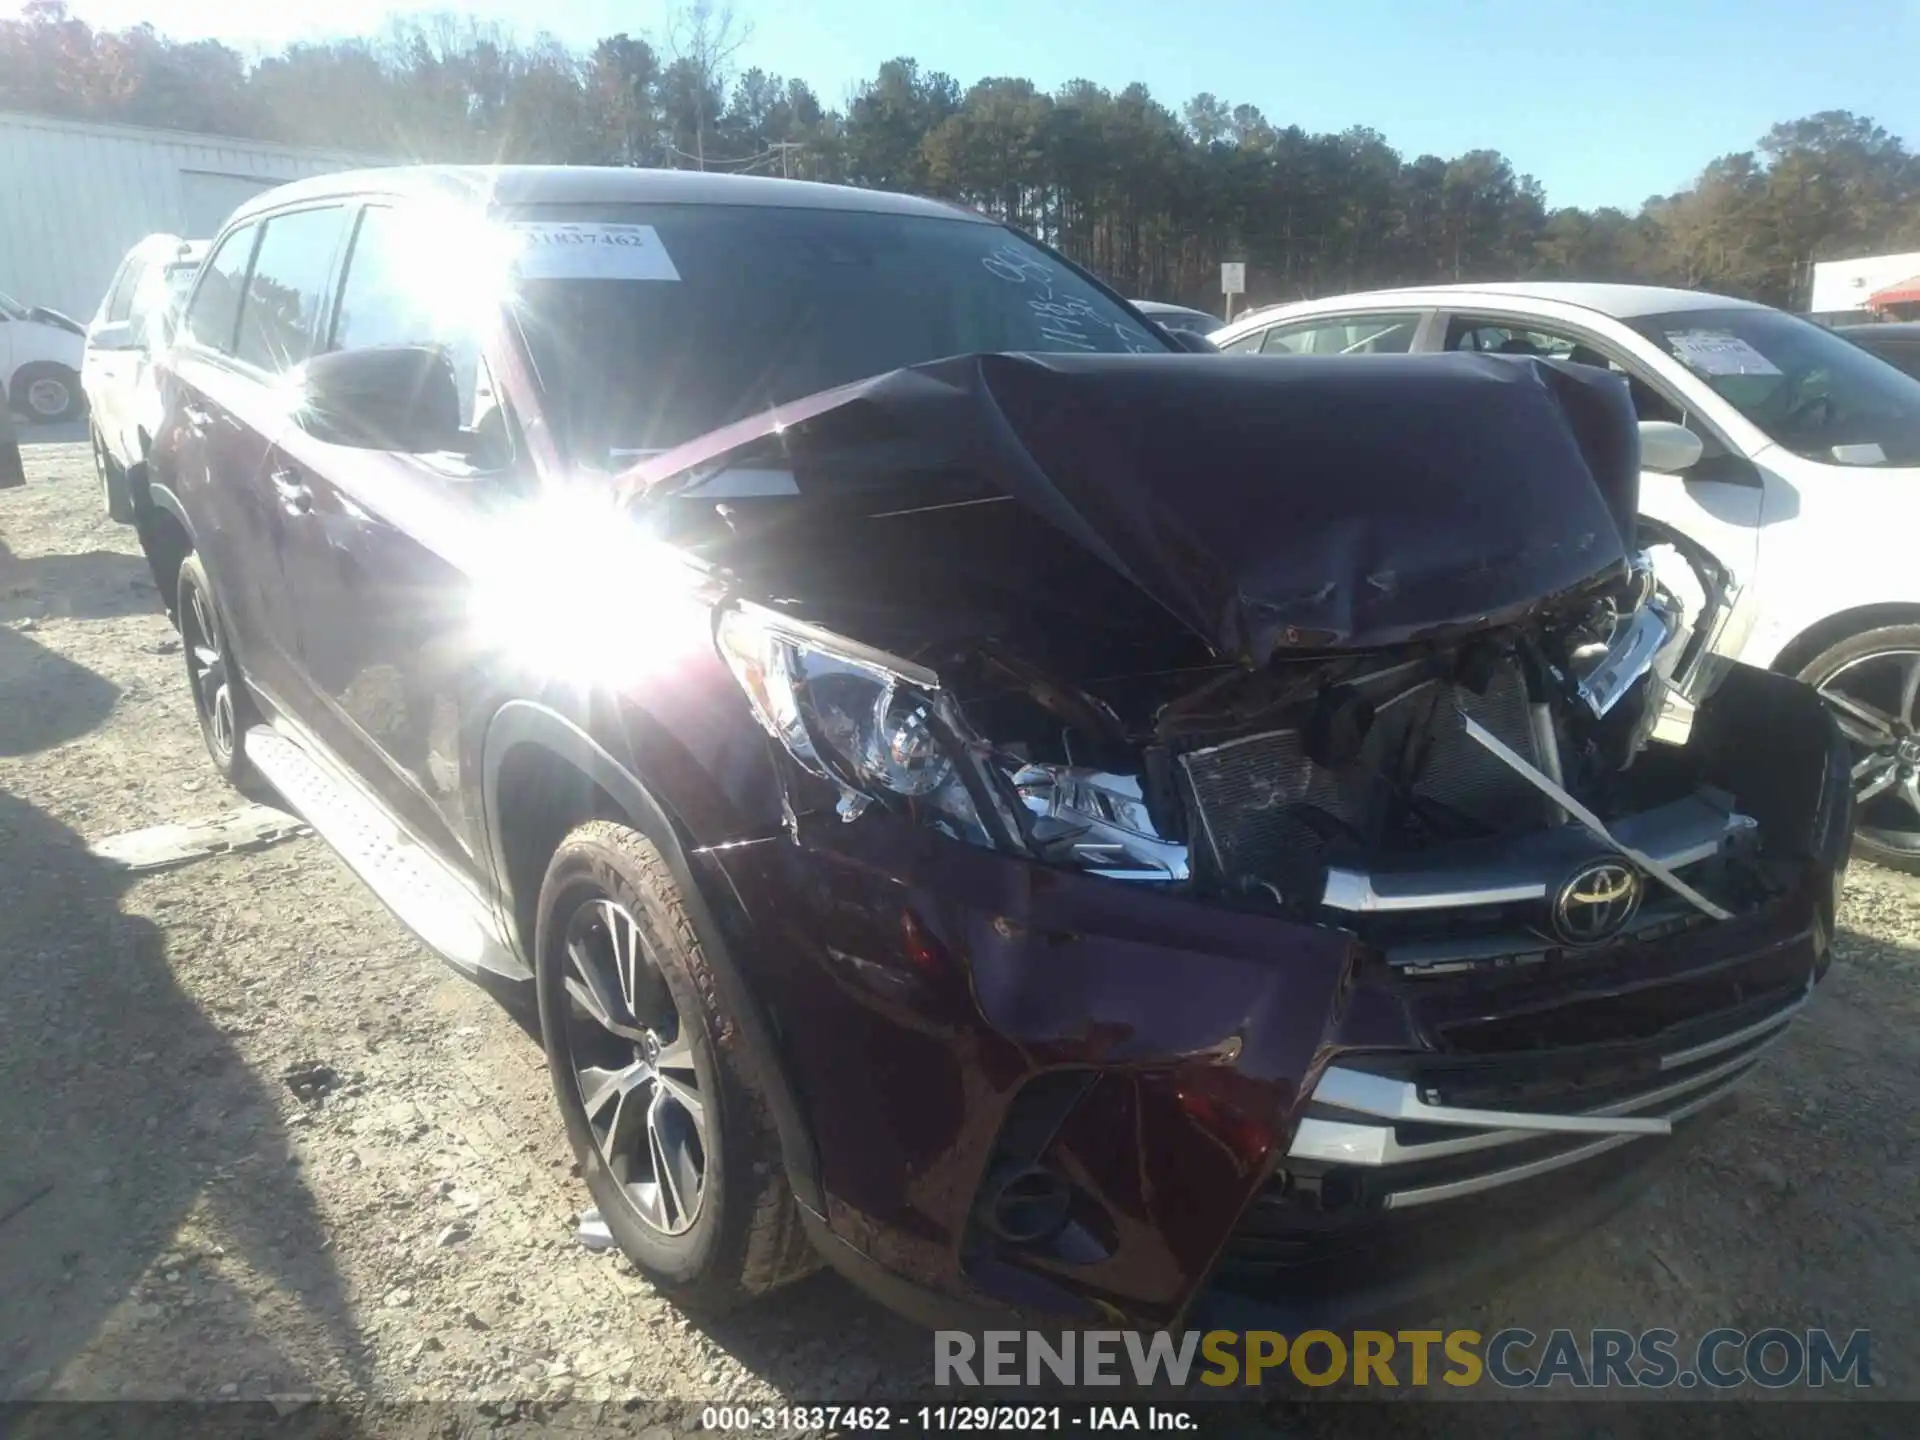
[{"x": 590, "y": 251}]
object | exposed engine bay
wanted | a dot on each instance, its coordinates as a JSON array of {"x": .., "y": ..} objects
[
  {"x": 1338, "y": 787},
  {"x": 1471, "y": 742}
]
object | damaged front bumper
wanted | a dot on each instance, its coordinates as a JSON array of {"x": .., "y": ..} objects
[{"x": 1085, "y": 1101}]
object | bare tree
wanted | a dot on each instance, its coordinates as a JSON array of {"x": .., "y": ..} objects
[{"x": 702, "y": 40}]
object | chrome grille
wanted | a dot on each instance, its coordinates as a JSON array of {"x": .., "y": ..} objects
[{"x": 1255, "y": 795}]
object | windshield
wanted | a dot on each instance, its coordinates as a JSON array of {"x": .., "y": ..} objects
[
  {"x": 705, "y": 314},
  {"x": 1811, "y": 391}
]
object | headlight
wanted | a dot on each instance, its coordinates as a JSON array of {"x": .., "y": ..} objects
[
  {"x": 884, "y": 731},
  {"x": 874, "y": 725}
]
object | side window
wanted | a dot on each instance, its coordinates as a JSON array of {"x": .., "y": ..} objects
[
  {"x": 1246, "y": 345},
  {"x": 1490, "y": 337},
  {"x": 1344, "y": 335},
  {"x": 214, "y": 312},
  {"x": 1506, "y": 337},
  {"x": 386, "y": 300},
  {"x": 119, "y": 302},
  {"x": 288, "y": 288}
]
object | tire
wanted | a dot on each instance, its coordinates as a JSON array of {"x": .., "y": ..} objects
[
  {"x": 220, "y": 699},
  {"x": 1871, "y": 683},
  {"x": 47, "y": 393},
  {"x": 116, "y": 496},
  {"x": 739, "y": 1229}
]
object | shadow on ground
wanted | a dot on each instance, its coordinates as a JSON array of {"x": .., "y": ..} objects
[
  {"x": 123, "y": 1108},
  {"x": 45, "y": 698},
  {"x": 96, "y": 585}
]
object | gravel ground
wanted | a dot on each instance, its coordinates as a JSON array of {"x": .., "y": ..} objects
[{"x": 255, "y": 1141}]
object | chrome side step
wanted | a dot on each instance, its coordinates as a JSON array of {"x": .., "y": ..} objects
[{"x": 448, "y": 914}]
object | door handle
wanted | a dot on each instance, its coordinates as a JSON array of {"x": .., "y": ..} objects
[{"x": 294, "y": 495}]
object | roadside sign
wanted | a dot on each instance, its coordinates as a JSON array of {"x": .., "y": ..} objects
[{"x": 1233, "y": 277}]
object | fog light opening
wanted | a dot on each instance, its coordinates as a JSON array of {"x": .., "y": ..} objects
[{"x": 1028, "y": 1207}]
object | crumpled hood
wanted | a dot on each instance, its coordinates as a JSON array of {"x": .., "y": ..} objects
[{"x": 1265, "y": 503}]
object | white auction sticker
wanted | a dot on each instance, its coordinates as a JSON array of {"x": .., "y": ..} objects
[
  {"x": 590, "y": 251},
  {"x": 1714, "y": 352}
]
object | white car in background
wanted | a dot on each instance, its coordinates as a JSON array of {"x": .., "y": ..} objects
[
  {"x": 133, "y": 325},
  {"x": 1789, "y": 453},
  {"x": 40, "y": 352}
]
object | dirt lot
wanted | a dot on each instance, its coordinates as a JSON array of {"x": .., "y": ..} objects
[{"x": 183, "y": 1215}]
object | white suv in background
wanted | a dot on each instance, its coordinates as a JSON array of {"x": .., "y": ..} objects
[
  {"x": 1790, "y": 454},
  {"x": 133, "y": 325}
]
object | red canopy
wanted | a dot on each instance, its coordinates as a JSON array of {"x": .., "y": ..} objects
[{"x": 1907, "y": 292}]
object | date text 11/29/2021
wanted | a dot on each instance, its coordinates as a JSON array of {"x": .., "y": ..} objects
[{"x": 930, "y": 1419}]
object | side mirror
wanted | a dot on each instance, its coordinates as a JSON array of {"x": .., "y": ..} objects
[
  {"x": 388, "y": 397},
  {"x": 1190, "y": 340},
  {"x": 113, "y": 335},
  {"x": 1668, "y": 448}
]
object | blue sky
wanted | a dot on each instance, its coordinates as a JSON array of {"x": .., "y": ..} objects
[{"x": 1606, "y": 101}]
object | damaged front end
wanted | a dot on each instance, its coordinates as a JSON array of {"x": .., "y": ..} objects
[{"x": 1408, "y": 838}]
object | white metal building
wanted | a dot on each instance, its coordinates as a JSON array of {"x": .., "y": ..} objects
[
  {"x": 1843, "y": 287},
  {"x": 75, "y": 196}
]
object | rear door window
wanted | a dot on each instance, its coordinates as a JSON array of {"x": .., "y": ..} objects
[
  {"x": 288, "y": 288},
  {"x": 214, "y": 312}
]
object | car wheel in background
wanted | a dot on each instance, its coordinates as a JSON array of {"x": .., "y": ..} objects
[
  {"x": 671, "y": 1137},
  {"x": 220, "y": 699},
  {"x": 116, "y": 497},
  {"x": 46, "y": 392},
  {"x": 1871, "y": 683}
]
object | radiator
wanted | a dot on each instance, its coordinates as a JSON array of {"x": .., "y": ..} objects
[{"x": 1265, "y": 808}]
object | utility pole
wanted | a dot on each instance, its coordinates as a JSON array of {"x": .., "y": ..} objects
[{"x": 786, "y": 148}]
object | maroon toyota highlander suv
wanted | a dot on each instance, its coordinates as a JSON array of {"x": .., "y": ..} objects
[{"x": 1052, "y": 825}]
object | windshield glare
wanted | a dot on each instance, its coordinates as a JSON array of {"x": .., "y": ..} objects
[
  {"x": 741, "y": 309},
  {"x": 1809, "y": 390}
]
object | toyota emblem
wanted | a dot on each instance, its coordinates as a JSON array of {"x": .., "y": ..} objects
[{"x": 1596, "y": 901}]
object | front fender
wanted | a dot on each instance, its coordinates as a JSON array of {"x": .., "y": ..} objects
[{"x": 523, "y": 722}]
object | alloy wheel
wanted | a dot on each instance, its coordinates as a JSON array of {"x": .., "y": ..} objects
[
  {"x": 633, "y": 1064},
  {"x": 207, "y": 668},
  {"x": 1876, "y": 701}
]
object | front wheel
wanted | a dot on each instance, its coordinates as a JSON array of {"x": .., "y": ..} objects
[
  {"x": 1871, "y": 685},
  {"x": 669, "y": 1129},
  {"x": 220, "y": 699}
]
